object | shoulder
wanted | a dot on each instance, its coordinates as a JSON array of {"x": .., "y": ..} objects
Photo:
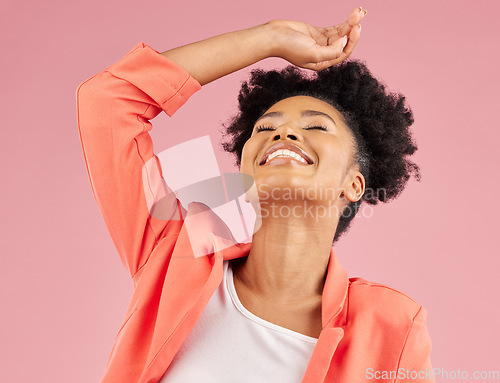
[
  {"x": 391, "y": 322},
  {"x": 382, "y": 304}
]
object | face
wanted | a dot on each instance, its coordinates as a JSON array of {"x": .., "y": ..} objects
[{"x": 303, "y": 143}]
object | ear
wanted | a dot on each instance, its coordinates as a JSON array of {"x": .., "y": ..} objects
[{"x": 354, "y": 187}]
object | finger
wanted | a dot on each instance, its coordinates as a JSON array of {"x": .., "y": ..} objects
[
  {"x": 354, "y": 18},
  {"x": 318, "y": 35},
  {"x": 330, "y": 52},
  {"x": 343, "y": 29},
  {"x": 351, "y": 43},
  {"x": 322, "y": 64},
  {"x": 346, "y": 52}
]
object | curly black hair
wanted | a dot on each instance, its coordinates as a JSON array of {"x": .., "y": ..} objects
[{"x": 378, "y": 119}]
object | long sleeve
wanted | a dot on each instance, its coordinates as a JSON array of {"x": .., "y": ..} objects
[
  {"x": 414, "y": 363},
  {"x": 114, "y": 108}
]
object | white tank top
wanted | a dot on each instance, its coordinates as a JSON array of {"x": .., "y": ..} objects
[{"x": 229, "y": 344}]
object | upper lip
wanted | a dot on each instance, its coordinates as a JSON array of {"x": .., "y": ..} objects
[{"x": 286, "y": 145}]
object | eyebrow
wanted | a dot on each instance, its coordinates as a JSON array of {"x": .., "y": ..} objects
[{"x": 304, "y": 113}]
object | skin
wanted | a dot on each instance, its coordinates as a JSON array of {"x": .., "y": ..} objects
[
  {"x": 301, "y": 44},
  {"x": 282, "y": 278}
]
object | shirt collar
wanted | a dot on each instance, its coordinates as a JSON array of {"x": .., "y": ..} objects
[{"x": 335, "y": 290}]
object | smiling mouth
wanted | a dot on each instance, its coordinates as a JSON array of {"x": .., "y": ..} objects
[{"x": 287, "y": 152}]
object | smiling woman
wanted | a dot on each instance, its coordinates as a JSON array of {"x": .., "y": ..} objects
[{"x": 280, "y": 308}]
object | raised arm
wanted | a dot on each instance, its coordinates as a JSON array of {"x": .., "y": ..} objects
[
  {"x": 116, "y": 105},
  {"x": 299, "y": 43}
]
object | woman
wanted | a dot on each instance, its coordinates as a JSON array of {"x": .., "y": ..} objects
[{"x": 281, "y": 308}]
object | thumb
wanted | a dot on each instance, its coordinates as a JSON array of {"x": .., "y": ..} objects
[{"x": 332, "y": 52}]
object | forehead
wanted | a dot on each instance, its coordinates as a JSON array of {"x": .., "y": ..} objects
[{"x": 296, "y": 104}]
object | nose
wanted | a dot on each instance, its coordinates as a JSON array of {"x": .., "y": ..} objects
[{"x": 287, "y": 131}]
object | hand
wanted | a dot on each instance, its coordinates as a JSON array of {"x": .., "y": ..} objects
[{"x": 316, "y": 48}]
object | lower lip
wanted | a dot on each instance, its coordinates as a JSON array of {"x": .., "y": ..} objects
[{"x": 284, "y": 161}]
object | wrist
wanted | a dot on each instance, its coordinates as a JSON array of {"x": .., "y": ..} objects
[
  {"x": 267, "y": 40},
  {"x": 277, "y": 33}
]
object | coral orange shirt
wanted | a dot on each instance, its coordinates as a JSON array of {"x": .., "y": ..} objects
[{"x": 370, "y": 332}]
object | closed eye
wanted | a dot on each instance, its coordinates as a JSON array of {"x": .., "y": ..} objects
[
  {"x": 316, "y": 127},
  {"x": 267, "y": 127},
  {"x": 264, "y": 127}
]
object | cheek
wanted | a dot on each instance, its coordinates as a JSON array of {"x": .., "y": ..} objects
[
  {"x": 246, "y": 157},
  {"x": 333, "y": 165}
]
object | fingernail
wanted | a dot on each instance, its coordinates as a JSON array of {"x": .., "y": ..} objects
[
  {"x": 344, "y": 42},
  {"x": 365, "y": 11},
  {"x": 360, "y": 9},
  {"x": 359, "y": 25}
]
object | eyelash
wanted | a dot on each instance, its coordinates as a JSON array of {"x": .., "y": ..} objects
[{"x": 268, "y": 127}]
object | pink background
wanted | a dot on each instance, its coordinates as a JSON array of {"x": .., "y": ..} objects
[{"x": 63, "y": 288}]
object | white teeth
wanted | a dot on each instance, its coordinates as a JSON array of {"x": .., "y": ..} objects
[{"x": 285, "y": 153}]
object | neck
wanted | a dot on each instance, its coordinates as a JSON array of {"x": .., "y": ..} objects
[{"x": 288, "y": 260}]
